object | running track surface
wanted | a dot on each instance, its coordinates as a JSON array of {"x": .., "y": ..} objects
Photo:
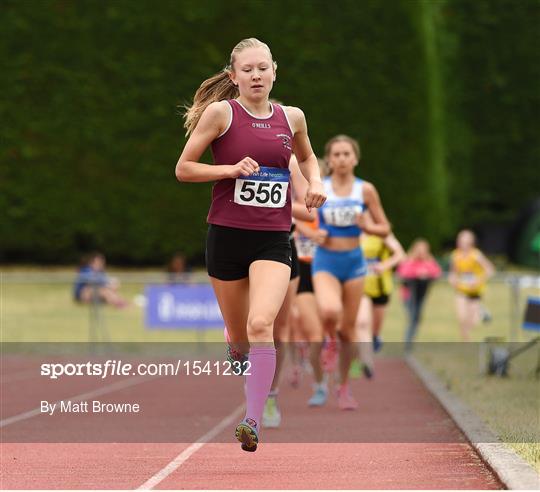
[{"x": 400, "y": 438}]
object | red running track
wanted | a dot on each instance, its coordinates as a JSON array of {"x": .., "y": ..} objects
[{"x": 400, "y": 438}]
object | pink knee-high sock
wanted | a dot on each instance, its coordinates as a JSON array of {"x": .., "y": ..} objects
[{"x": 259, "y": 381}]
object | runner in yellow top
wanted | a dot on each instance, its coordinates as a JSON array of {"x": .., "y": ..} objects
[
  {"x": 469, "y": 271},
  {"x": 382, "y": 255}
]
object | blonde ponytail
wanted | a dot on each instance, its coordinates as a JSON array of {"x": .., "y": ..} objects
[
  {"x": 219, "y": 87},
  {"x": 216, "y": 88}
]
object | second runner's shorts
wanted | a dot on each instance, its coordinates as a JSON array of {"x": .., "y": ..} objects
[{"x": 344, "y": 265}]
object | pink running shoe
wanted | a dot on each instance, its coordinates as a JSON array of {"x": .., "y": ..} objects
[
  {"x": 345, "y": 399},
  {"x": 329, "y": 356}
]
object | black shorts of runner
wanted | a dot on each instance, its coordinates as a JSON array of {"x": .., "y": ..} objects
[
  {"x": 473, "y": 297},
  {"x": 295, "y": 269},
  {"x": 306, "y": 284},
  {"x": 231, "y": 251},
  {"x": 381, "y": 300}
]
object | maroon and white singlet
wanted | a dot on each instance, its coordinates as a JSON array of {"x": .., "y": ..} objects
[{"x": 261, "y": 201}]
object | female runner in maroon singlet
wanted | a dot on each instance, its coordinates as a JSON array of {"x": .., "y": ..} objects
[{"x": 248, "y": 253}]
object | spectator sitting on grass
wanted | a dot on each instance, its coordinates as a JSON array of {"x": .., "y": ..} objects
[
  {"x": 94, "y": 285},
  {"x": 176, "y": 269}
]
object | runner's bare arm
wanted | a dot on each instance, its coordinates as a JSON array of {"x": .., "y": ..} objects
[
  {"x": 398, "y": 253},
  {"x": 379, "y": 225},
  {"x": 299, "y": 187},
  {"x": 317, "y": 235},
  {"x": 212, "y": 123},
  {"x": 300, "y": 212},
  {"x": 305, "y": 230},
  {"x": 489, "y": 268},
  {"x": 307, "y": 161}
]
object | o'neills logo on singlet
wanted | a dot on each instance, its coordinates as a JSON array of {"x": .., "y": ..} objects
[{"x": 261, "y": 125}]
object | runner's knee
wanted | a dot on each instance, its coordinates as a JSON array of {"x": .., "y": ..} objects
[
  {"x": 330, "y": 314},
  {"x": 260, "y": 328}
]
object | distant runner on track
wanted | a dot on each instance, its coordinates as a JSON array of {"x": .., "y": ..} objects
[
  {"x": 382, "y": 255},
  {"x": 469, "y": 271}
]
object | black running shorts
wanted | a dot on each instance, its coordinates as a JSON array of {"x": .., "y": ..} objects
[
  {"x": 231, "y": 251},
  {"x": 306, "y": 284},
  {"x": 294, "y": 259},
  {"x": 381, "y": 300}
]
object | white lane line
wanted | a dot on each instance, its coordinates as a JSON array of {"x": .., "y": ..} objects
[
  {"x": 190, "y": 450},
  {"x": 125, "y": 383}
]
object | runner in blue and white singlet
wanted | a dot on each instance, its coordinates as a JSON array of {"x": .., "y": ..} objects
[
  {"x": 339, "y": 265},
  {"x": 339, "y": 217}
]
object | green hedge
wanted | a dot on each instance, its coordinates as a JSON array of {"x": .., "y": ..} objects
[
  {"x": 91, "y": 131},
  {"x": 497, "y": 100}
]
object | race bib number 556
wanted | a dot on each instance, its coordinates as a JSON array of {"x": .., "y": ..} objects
[{"x": 267, "y": 188}]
